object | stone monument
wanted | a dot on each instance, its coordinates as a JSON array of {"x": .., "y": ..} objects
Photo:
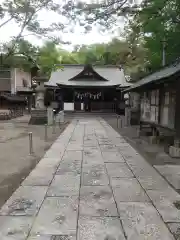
[{"x": 39, "y": 114}]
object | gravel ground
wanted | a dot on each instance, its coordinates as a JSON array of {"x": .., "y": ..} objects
[{"x": 15, "y": 161}]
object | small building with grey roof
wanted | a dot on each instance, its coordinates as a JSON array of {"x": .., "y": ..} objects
[
  {"x": 158, "y": 102},
  {"x": 88, "y": 87}
]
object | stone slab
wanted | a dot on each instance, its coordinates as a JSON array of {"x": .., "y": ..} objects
[
  {"x": 141, "y": 221},
  {"x": 71, "y": 167},
  {"x": 52, "y": 153},
  {"x": 39, "y": 177},
  {"x": 72, "y": 155},
  {"x": 50, "y": 163},
  {"x": 164, "y": 202},
  {"x": 94, "y": 175},
  {"x": 152, "y": 182},
  {"x": 109, "y": 148},
  {"x": 128, "y": 190},
  {"x": 112, "y": 157},
  {"x": 25, "y": 201},
  {"x": 64, "y": 185},
  {"x": 119, "y": 170},
  {"x": 74, "y": 147},
  {"x": 97, "y": 201},
  {"x": 171, "y": 173},
  {"x": 175, "y": 229},
  {"x": 57, "y": 216},
  {"x": 91, "y": 228},
  {"x": 52, "y": 237},
  {"x": 15, "y": 228}
]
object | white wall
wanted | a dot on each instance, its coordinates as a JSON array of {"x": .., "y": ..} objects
[
  {"x": 69, "y": 106},
  {"x": 17, "y": 76}
]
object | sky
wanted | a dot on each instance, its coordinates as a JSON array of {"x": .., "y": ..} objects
[{"x": 78, "y": 37}]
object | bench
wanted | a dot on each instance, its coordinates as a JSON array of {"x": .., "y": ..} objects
[
  {"x": 165, "y": 136},
  {"x": 146, "y": 128}
]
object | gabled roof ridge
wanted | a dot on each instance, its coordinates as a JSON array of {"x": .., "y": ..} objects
[{"x": 93, "y": 65}]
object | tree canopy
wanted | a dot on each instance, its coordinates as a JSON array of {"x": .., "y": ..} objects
[{"x": 151, "y": 25}]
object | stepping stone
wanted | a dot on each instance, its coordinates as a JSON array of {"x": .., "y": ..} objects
[
  {"x": 25, "y": 201},
  {"x": 57, "y": 216},
  {"x": 94, "y": 228},
  {"x": 97, "y": 201}
]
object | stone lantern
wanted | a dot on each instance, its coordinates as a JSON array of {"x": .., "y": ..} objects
[
  {"x": 40, "y": 90},
  {"x": 39, "y": 114}
]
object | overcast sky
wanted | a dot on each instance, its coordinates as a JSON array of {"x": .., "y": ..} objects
[{"x": 46, "y": 18}]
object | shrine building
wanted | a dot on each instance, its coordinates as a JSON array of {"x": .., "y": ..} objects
[{"x": 89, "y": 87}]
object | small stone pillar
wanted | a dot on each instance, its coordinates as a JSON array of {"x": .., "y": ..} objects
[{"x": 174, "y": 151}]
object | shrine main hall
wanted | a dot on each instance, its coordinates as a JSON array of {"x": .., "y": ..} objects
[{"x": 88, "y": 87}]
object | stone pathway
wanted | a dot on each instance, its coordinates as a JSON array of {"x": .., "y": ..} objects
[{"x": 91, "y": 185}]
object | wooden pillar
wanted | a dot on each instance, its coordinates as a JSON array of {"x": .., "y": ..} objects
[
  {"x": 159, "y": 105},
  {"x": 29, "y": 103},
  {"x": 177, "y": 111},
  {"x": 102, "y": 104}
]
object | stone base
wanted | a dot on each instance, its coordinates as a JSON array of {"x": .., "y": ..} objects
[
  {"x": 38, "y": 117},
  {"x": 153, "y": 140},
  {"x": 174, "y": 152}
]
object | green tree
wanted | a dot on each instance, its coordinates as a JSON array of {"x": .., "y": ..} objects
[
  {"x": 48, "y": 58},
  {"x": 104, "y": 13},
  {"x": 159, "y": 21},
  {"x": 25, "y": 14}
]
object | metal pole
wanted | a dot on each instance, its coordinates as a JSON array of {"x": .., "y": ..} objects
[
  {"x": 45, "y": 135},
  {"x": 54, "y": 126},
  {"x": 117, "y": 122},
  {"x": 30, "y": 144}
]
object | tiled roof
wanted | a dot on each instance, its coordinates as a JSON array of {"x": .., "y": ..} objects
[
  {"x": 12, "y": 97},
  {"x": 159, "y": 75},
  {"x": 113, "y": 75}
]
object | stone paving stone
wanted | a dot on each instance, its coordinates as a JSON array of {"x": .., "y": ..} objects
[
  {"x": 105, "y": 141},
  {"x": 72, "y": 155},
  {"x": 128, "y": 190},
  {"x": 152, "y": 182},
  {"x": 52, "y": 237},
  {"x": 92, "y": 157},
  {"x": 143, "y": 170},
  {"x": 141, "y": 221},
  {"x": 15, "y": 228},
  {"x": 136, "y": 163},
  {"x": 119, "y": 170},
  {"x": 94, "y": 175},
  {"x": 97, "y": 201},
  {"x": 74, "y": 147},
  {"x": 171, "y": 173},
  {"x": 96, "y": 228},
  {"x": 108, "y": 148},
  {"x": 64, "y": 185},
  {"x": 57, "y": 216},
  {"x": 72, "y": 167},
  {"x": 164, "y": 202},
  {"x": 175, "y": 229},
  {"x": 39, "y": 177},
  {"x": 51, "y": 153},
  {"x": 50, "y": 163},
  {"x": 25, "y": 201},
  {"x": 112, "y": 157}
]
